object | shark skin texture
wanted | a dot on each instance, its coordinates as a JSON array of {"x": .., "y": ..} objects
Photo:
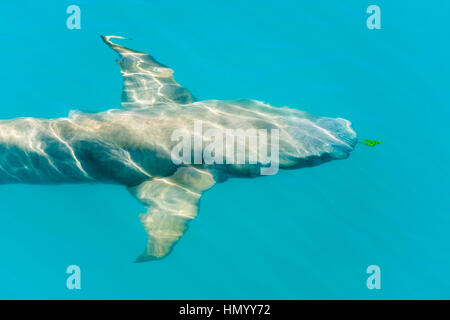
[{"x": 132, "y": 146}]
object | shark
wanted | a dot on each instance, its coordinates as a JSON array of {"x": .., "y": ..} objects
[{"x": 133, "y": 145}]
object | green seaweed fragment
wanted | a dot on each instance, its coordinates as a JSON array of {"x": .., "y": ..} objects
[{"x": 370, "y": 143}]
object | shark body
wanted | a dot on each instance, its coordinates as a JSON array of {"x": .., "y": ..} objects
[{"x": 132, "y": 146}]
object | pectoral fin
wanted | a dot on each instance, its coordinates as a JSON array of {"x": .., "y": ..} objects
[
  {"x": 171, "y": 202},
  {"x": 146, "y": 81}
]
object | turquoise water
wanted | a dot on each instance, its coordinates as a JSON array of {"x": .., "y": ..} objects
[{"x": 309, "y": 233}]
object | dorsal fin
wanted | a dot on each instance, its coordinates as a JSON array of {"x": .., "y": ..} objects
[{"x": 146, "y": 81}]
